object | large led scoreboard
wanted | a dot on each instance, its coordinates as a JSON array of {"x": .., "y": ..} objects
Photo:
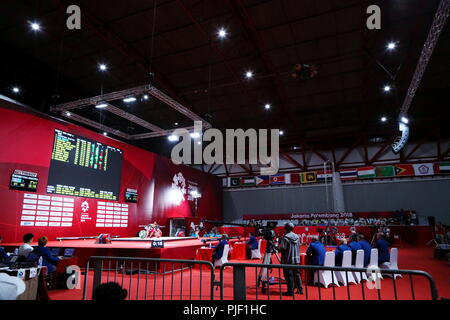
[{"x": 84, "y": 168}]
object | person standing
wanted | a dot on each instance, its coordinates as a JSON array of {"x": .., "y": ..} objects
[{"x": 290, "y": 254}]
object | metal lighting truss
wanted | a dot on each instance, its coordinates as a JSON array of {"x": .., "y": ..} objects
[
  {"x": 64, "y": 109},
  {"x": 433, "y": 36}
]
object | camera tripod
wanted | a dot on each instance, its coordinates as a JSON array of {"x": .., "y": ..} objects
[{"x": 264, "y": 280}]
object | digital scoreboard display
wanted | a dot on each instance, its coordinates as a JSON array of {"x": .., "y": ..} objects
[
  {"x": 24, "y": 180},
  {"x": 131, "y": 195},
  {"x": 84, "y": 168}
]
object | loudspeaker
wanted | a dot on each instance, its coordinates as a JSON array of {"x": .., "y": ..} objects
[{"x": 431, "y": 220}]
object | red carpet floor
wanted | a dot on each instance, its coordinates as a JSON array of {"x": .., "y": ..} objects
[{"x": 180, "y": 285}]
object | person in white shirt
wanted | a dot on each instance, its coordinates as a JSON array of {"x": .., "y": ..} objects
[
  {"x": 10, "y": 287},
  {"x": 25, "y": 249}
]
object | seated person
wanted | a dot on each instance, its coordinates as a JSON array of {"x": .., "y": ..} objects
[
  {"x": 316, "y": 252},
  {"x": 48, "y": 259},
  {"x": 339, "y": 252},
  {"x": 180, "y": 233},
  {"x": 218, "y": 250},
  {"x": 3, "y": 255},
  {"x": 25, "y": 249},
  {"x": 366, "y": 247},
  {"x": 355, "y": 246},
  {"x": 252, "y": 244},
  {"x": 383, "y": 249}
]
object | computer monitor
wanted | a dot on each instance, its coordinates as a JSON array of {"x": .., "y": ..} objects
[
  {"x": 55, "y": 251},
  {"x": 69, "y": 252}
]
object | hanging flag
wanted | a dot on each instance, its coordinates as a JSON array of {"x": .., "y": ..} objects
[
  {"x": 292, "y": 178},
  {"x": 225, "y": 182},
  {"x": 247, "y": 181},
  {"x": 277, "y": 179},
  {"x": 385, "y": 171},
  {"x": 443, "y": 167},
  {"x": 402, "y": 170},
  {"x": 262, "y": 180},
  {"x": 235, "y": 182},
  {"x": 322, "y": 175},
  {"x": 366, "y": 172},
  {"x": 423, "y": 169},
  {"x": 308, "y": 177},
  {"x": 348, "y": 174}
]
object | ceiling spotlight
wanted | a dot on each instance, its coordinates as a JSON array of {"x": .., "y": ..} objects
[
  {"x": 387, "y": 88},
  {"x": 281, "y": 132},
  {"x": 199, "y": 142},
  {"x": 391, "y": 46},
  {"x": 105, "y": 133},
  {"x": 195, "y": 135},
  {"x": 35, "y": 26},
  {"x": 68, "y": 114},
  {"x": 129, "y": 99},
  {"x": 404, "y": 120},
  {"x": 249, "y": 74},
  {"x": 16, "y": 89},
  {"x": 176, "y": 123},
  {"x": 172, "y": 138},
  {"x": 102, "y": 67},
  {"x": 145, "y": 96},
  {"x": 267, "y": 106},
  {"x": 101, "y": 105},
  {"x": 383, "y": 119},
  {"x": 222, "y": 33}
]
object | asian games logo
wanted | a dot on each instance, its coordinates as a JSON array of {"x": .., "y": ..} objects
[
  {"x": 85, "y": 206},
  {"x": 179, "y": 188}
]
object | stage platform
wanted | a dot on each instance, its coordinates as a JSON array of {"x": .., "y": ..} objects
[
  {"x": 174, "y": 248},
  {"x": 151, "y": 239}
]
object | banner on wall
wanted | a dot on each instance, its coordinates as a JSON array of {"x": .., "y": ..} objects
[{"x": 331, "y": 215}]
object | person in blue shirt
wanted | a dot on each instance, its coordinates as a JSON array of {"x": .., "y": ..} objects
[
  {"x": 3, "y": 255},
  {"x": 252, "y": 244},
  {"x": 218, "y": 250},
  {"x": 48, "y": 259},
  {"x": 383, "y": 249},
  {"x": 366, "y": 247},
  {"x": 339, "y": 252},
  {"x": 355, "y": 246},
  {"x": 316, "y": 252}
]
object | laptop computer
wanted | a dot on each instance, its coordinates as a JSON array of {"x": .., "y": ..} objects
[
  {"x": 55, "y": 251},
  {"x": 68, "y": 252}
]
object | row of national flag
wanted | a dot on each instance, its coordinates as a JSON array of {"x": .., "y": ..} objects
[{"x": 369, "y": 172}]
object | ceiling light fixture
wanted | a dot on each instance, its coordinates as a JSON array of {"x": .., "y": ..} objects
[
  {"x": 129, "y": 99},
  {"x": 172, "y": 138},
  {"x": 249, "y": 74},
  {"x": 222, "y": 33},
  {"x": 35, "y": 26}
]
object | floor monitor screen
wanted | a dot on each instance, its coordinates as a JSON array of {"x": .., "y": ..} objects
[{"x": 84, "y": 168}]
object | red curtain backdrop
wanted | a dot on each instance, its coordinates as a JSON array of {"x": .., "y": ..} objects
[{"x": 26, "y": 142}]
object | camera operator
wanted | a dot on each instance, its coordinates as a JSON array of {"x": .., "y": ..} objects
[{"x": 290, "y": 254}]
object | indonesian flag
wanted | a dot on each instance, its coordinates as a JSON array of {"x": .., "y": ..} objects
[{"x": 292, "y": 178}]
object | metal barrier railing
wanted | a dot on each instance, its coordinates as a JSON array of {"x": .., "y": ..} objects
[
  {"x": 146, "y": 278},
  {"x": 160, "y": 279},
  {"x": 240, "y": 285}
]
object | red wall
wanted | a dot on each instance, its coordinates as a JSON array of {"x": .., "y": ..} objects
[{"x": 26, "y": 141}]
